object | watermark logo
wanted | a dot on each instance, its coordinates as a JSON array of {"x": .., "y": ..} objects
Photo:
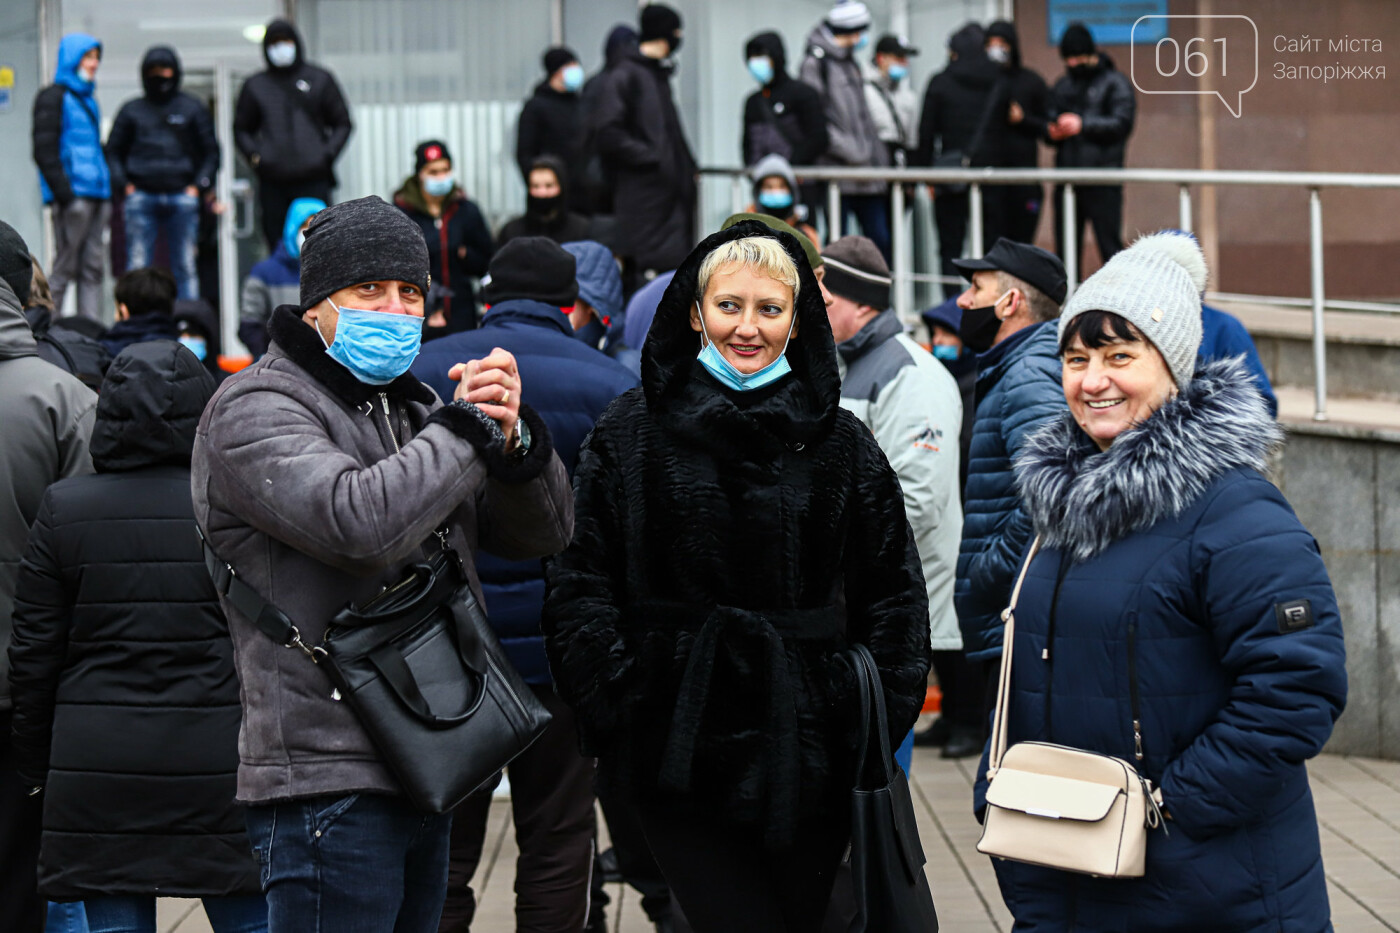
[{"x": 1213, "y": 55}]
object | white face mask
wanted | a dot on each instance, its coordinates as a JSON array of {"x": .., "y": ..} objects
[{"x": 282, "y": 54}]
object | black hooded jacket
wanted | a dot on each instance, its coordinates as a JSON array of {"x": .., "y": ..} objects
[
  {"x": 76, "y": 353},
  {"x": 1015, "y": 145},
  {"x": 291, "y": 123},
  {"x": 956, "y": 100},
  {"x": 593, "y": 185},
  {"x": 1104, "y": 99},
  {"x": 551, "y": 123},
  {"x": 786, "y": 115},
  {"x": 126, "y": 700},
  {"x": 163, "y": 141},
  {"x": 561, "y": 225},
  {"x": 728, "y": 548}
]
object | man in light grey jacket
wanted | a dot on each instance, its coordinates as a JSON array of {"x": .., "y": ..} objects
[
  {"x": 319, "y": 472},
  {"x": 46, "y": 419},
  {"x": 912, "y": 405}
]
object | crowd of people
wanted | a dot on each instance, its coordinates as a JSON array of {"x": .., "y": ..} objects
[{"x": 685, "y": 481}]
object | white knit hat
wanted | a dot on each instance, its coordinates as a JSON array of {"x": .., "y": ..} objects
[
  {"x": 1156, "y": 284},
  {"x": 848, "y": 16}
]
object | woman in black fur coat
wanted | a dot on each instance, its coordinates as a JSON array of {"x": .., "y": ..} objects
[{"x": 730, "y": 544}]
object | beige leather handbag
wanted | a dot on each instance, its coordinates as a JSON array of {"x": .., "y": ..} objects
[{"x": 1062, "y": 807}]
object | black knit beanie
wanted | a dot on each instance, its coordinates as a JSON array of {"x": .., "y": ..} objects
[
  {"x": 1077, "y": 40},
  {"x": 557, "y": 58},
  {"x": 534, "y": 268},
  {"x": 365, "y": 240},
  {"x": 856, "y": 270},
  {"x": 15, "y": 266},
  {"x": 429, "y": 151},
  {"x": 658, "y": 22}
]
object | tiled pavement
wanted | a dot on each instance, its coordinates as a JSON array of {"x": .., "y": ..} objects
[{"x": 1358, "y": 802}]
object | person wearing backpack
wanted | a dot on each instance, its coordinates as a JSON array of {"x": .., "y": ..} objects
[
  {"x": 290, "y": 123},
  {"x": 73, "y": 175},
  {"x": 784, "y": 116}
]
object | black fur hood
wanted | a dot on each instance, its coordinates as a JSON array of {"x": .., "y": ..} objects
[
  {"x": 678, "y": 389},
  {"x": 1082, "y": 500}
]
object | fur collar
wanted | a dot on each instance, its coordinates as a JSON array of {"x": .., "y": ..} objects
[
  {"x": 1082, "y": 500},
  {"x": 300, "y": 343}
]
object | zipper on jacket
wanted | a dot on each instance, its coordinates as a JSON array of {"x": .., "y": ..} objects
[
  {"x": 389, "y": 422},
  {"x": 1133, "y": 686},
  {"x": 1048, "y": 655}
]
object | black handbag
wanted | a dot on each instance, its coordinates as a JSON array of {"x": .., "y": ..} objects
[
  {"x": 887, "y": 861},
  {"x": 424, "y": 673}
]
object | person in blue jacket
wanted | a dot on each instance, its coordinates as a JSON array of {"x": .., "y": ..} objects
[
  {"x": 1222, "y": 337},
  {"x": 1177, "y": 616},
  {"x": 531, "y": 292},
  {"x": 1008, "y": 318},
  {"x": 276, "y": 280},
  {"x": 73, "y": 174}
]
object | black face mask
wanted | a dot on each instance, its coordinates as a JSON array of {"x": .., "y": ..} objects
[
  {"x": 543, "y": 208},
  {"x": 979, "y": 327},
  {"x": 675, "y": 41},
  {"x": 592, "y": 333},
  {"x": 158, "y": 88},
  {"x": 1082, "y": 72}
]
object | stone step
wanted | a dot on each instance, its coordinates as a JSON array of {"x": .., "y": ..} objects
[
  {"x": 1354, "y": 418},
  {"x": 1363, "y": 349}
]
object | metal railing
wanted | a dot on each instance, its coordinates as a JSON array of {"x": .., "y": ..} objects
[{"x": 1184, "y": 179}]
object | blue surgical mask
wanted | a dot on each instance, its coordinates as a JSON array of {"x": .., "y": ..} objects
[
  {"x": 573, "y": 77},
  {"x": 775, "y": 200},
  {"x": 761, "y": 67},
  {"x": 898, "y": 72},
  {"x": 946, "y": 353},
  {"x": 713, "y": 360},
  {"x": 282, "y": 54},
  {"x": 376, "y": 346},
  {"x": 197, "y": 346},
  {"x": 438, "y": 185},
  {"x": 864, "y": 40},
  {"x": 295, "y": 248}
]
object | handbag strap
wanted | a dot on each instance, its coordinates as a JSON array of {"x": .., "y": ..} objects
[
  {"x": 872, "y": 699},
  {"x": 1008, "y": 616}
]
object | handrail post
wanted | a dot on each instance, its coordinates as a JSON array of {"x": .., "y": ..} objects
[
  {"x": 1318, "y": 301},
  {"x": 738, "y": 197},
  {"x": 898, "y": 234},
  {"x": 1069, "y": 225},
  {"x": 974, "y": 203},
  {"x": 1184, "y": 207},
  {"x": 833, "y": 211}
]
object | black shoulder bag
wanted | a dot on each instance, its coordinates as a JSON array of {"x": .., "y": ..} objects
[
  {"x": 887, "y": 860},
  {"x": 958, "y": 158},
  {"x": 424, "y": 673}
]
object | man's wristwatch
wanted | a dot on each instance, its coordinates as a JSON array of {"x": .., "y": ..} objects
[{"x": 519, "y": 443}]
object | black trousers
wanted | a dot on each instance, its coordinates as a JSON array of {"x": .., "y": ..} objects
[
  {"x": 962, "y": 685},
  {"x": 551, "y": 791},
  {"x": 275, "y": 197},
  {"x": 727, "y": 882},
  {"x": 1100, "y": 205},
  {"x": 21, "y": 820},
  {"x": 1011, "y": 211},
  {"x": 635, "y": 861}
]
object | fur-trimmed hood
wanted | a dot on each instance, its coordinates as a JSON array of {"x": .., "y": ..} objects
[{"x": 1082, "y": 500}]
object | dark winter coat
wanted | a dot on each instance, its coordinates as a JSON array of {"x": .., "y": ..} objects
[
  {"x": 594, "y": 184},
  {"x": 319, "y": 489},
  {"x": 1170, "y": 557},
  {"x": 551, "y": 123},
  {"x": 1222, "y": 337},
  {"x": 126, "y": 701},
  {"x": 67, "y": 349},
  {"x": 642, "y": 144},
  {"x": 67, "y": 131},
  {"x": 729, "y": 547},
  {"x": 1016, "y": 145},
  {"x": 1018, "y": 389},
  {"x": 459, "y": 248},
  {"x": 562, "y": 225},
  {"x": 785, "y": 116},
  {"x": 153, "y": 325},
  {"x": 291, "y": 123},
  {"x": 568, "y": 384},
  {"x": 956, "y": 101},
  {"x": 163, "y": 144},
  {"x": 1108, "y": 107},
  {"x": 852, "y": 137}
]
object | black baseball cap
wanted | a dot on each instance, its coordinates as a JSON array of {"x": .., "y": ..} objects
[
  {"x": 1030, "y": 264},
  {"x": 891, "y": 44}
]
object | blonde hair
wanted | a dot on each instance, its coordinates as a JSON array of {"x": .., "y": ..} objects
[{"x": 763, "y": 254}]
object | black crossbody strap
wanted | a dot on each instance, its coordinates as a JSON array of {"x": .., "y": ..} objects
[{"x": 270, "y": 620}]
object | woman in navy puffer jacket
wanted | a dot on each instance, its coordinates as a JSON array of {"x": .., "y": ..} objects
[{"x": 1178, "y": 616}]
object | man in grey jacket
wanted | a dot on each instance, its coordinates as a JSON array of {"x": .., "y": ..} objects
[
  {"x": 319, "y": 472},
  {"x": 831, "y": 67},
  {"x": 46, "y": 418},
  {"x": 912, "y": 405}
]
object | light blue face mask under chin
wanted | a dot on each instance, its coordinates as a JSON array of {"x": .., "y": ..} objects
[
  {"x": 724, "y": 372},
  {"x": 376, "y": 346}
]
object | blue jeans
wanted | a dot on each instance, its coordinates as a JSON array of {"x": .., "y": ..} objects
[
  {"x": 146, "y": 212},
  {"x": 873, "y": 212},
  {"x": 67, "y": 917},
  {"x": 137, "y": 914},
  {"x": 361, "y": 863}
]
